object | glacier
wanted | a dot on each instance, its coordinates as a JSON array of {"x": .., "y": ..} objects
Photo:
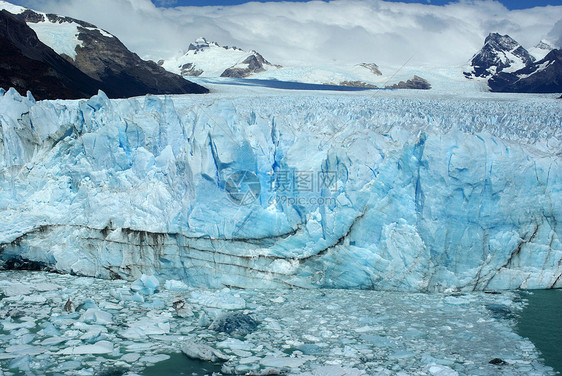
[{"x": 430, "y": 193}]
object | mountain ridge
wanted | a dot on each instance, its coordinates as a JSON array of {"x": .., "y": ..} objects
[{"x": 97, "y": 54}]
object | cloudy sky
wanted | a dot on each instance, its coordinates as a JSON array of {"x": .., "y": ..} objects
[{"x": 316, "y": 32}]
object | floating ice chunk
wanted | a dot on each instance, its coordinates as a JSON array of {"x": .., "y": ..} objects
[
  {"x": 439, "y": 370},
  {"x": 282, "y": 362},
  {"x": 154, "y": 358},
  {"x": 130, "y": 358},
  {"x": 220, "y": 299},
  {"x": 16, "y": 289},
  {"x": 279, "y": 300},
  {"x": 457, "y": 300},
  {"x": 53, "y": 341},
  {"x": 203, "y": 352},
  {"x": 97, "y": 316},
  {"x": 87, "y": 304},
  {"x": 93, "y": 335},
  {"x": 334, "y": 371},
  {"x": 173, "y": 284},
  {"x": 236, "y": 344},
  {"x": 146, "y": 284},
  {"x": 21, "y": 364},
  {"x": 48, "y": 330},
  {"x": 145, "y": 327},
  {"x": 101, "y": 347},
  {"x": 9, "y": 325},
  {"x": 25, "y": 350}
]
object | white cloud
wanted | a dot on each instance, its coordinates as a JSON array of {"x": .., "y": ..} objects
[{"x": 347, "y": 31}]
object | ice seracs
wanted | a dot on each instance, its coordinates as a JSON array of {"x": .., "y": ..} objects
[{"x": 410, "y": 194}]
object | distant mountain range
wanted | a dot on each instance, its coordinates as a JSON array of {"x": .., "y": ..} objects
[
  {"x": 61, "y": 57},
  {"x": 508, "y": 67},
  {"x": 209, "y": 59}
]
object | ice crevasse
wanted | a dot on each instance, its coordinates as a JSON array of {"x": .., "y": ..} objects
[{"x": 426, "y": 194}]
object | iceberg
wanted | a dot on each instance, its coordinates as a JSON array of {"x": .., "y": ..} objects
[{"x": 361, "y": 191}]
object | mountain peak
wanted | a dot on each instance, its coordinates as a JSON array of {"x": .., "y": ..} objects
[
  {"x": 500, "y": 53},
  {"x": 501, "y": 42}
]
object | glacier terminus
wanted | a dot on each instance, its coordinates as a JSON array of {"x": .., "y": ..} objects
[{"x": 426, "y": 193}]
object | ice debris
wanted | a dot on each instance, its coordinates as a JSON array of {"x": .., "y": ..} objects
[{"x": 145, "y": 284}]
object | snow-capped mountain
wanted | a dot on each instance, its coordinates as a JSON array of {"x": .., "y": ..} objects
[
  {"x": 95, "y": 52},
  {"x": 500, "y": 53},
  {"x": 509, "y": 67},
  {"x": 209, "y": 59}
]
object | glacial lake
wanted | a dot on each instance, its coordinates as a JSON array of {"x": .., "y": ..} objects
[{"x": 541, "y": 322}]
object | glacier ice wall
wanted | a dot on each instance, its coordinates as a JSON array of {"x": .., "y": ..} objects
[{"x": 430, "y": 194}]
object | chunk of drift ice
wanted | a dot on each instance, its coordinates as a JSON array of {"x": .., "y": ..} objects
[
  {"x": 334, "y": 371},
  {"x": 145, "y": 284},
  {"x": 220, "y": 299},
  {"x": 96, "y": 316},
  {"x": 101, "y": 347},
  {"x": 234, "y": 323},
  {"x": 439, "y": 370},
  {"x": 172, "y": 284},
  {"x": 278, "y": 362},
  {"x": 203, "y": 352}
]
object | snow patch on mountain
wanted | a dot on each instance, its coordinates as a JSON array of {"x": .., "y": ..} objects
[
  {"x": 61, "y": 37},
  {"x": 59, "y": 33}
]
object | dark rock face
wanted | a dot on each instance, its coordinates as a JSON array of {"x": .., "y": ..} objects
[
  {"x": 27, "y": 64},
  {"x": 102, "y": 62},
  {"x": 124, "y": 73},
  {"x": 255, "y": 64},
  {"x": 357, "y": 84},
  {"x": 235, "y": 323},
  {"x": 498, "y": 53},
  {"x": 190, "y": 70},
  {"x": 415, "y": 83},
  {"x": 543, "y": 76}
]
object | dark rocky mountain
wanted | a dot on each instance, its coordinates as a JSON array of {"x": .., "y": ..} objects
[
  {"x": 543, "y": 76},
  {"x": 101, "y": 62},
  {"x": 28, "y": 64},
  {"x": 415, "y": 83},
  {"x": 511, "y": 68},
  {"x": 499, "y": 53}
]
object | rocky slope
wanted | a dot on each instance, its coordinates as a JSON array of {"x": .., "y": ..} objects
[
  {"x": 28, "y": 64},
  {"x": 543, "y": 76}
]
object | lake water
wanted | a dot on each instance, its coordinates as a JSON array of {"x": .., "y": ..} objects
[{"x": 541, "y": 322}]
